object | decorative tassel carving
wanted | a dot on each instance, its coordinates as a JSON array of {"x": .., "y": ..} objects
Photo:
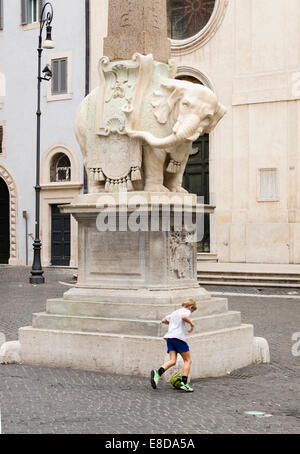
[
  {"x": 101, "y": 176},
  {"x": 121, "y": 184},
  {"x": 92, "y": 174},
  {"x": 107, "y": 185},
  {"x": 136, "y": 174},
  {"x": 129, "y": 184},
  {"x": 174, "y": 166},
  {"x": 171, "y": 167}
]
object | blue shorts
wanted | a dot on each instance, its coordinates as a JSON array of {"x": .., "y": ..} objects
[{"x": 177, "y": 345}]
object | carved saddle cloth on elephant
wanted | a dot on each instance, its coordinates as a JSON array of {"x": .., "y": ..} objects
[{"x": 139, "y": 102}]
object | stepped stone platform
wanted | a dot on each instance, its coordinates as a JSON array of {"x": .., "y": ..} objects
[
  {"x": 127, "y": 338},
  {"x": 110, "y": 321}
]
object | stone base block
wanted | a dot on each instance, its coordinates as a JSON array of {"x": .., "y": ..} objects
[
  {"x": 167, "y": 296},
  {"x": 214, "y": 354}
]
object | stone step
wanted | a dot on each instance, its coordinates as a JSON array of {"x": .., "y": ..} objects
[
  {"x": 207, "y": 257},
  {"x": 247, "y": 284},
  {"x": 134, "y": 327},
  {"x": 251, "y": 279},
  {"x": 126, "y": 310},
  {"x": 250, "y": 276}
]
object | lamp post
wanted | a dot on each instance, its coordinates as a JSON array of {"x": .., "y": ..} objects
[{"x": 37, "y": 272}]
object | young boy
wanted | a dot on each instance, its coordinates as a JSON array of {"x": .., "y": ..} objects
[{"x": 178, "y": 322}]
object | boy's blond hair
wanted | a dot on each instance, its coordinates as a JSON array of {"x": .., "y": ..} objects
[{"x": 190, "y": 303}]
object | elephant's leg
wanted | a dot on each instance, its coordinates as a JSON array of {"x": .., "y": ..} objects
[
  {"x": 173, "y": 181},
  {"x": 154, "y": 162}
]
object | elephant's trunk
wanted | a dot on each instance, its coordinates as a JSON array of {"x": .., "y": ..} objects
[
  {"x": 156, "y": 142},
  {"x": 184, "y": 130},
  {"x": 187, "y": 127}
]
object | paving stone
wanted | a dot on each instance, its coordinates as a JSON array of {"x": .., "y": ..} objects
[{"x": 61, "y": 401}]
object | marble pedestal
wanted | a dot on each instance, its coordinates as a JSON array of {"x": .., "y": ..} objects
[{"x": 128, "y": 281}]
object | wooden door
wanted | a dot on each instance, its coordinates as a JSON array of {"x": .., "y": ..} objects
[
  {"x": 196, "y": 181},
  {"x": 60, "y": 237},
  {"x": 4, "y": 223}
]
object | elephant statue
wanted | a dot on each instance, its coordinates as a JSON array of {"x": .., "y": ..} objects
[
  {"x": 189, "y": 111},
  {"x": 137, "y": 128}
]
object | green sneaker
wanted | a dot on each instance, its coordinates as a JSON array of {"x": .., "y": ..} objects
[
  {"x": 155, "y": 377},
  {"x": 186, "y": 388}
]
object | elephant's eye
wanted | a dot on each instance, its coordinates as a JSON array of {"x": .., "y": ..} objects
[{"x": 186, "y": 103}]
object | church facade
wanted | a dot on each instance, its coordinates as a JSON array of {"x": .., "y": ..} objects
[{"x": 248, "y": 53}]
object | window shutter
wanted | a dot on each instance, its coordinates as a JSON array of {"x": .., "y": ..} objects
[
  {"x": 24, "y": 12},
  {"x": 63, "y": 76},
  {"x": 60, "y": 76},
  {"x": 1, "y": 14},
  {"x": 41, "y": 6},
  {"x": 55, "y": 87}
]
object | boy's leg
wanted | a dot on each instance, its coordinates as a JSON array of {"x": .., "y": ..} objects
[
  {"x": 186, "y": 356},
  {"x": 172, "y": 362},
  {"x": 156, "y": 374}
]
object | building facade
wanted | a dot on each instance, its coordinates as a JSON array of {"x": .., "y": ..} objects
[
  {"x": 247, "y": 51},
  {"x": 61, "y": 160}
]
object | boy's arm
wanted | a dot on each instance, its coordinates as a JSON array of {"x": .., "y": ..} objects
[
  {"x": 186, "y": 319},
  {"x": 165, "y": 321}
]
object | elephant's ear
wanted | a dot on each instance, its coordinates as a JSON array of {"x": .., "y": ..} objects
[
  {"x": 165, "y": 100},
  {"x": 219, "y": 114}
]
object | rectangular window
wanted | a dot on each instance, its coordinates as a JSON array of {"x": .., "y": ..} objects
[
  {"x": 31, "y": 11},
  {"x": 60, "y": 86},
  {"x": 268, "y": 185},
  {"x": 1, "y": 14},
  {"x": 60, "y": 76}
]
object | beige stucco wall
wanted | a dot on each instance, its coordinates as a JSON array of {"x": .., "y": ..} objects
[
  {"x": 251, "y": 55},
  {"x": 98, "y": 31}
]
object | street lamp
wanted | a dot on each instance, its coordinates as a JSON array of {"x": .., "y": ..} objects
[{"x": 37, "y": 273}]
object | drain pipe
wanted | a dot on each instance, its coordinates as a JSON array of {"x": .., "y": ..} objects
[
  {"x": 26, "y": 234},
  {"x": 87, "y": 73}
]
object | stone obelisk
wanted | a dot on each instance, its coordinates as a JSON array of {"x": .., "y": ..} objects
[{"x": 137, "y": 26}]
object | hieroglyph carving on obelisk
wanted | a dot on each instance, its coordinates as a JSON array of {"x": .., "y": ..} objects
[{"x": 137, "y": 26}]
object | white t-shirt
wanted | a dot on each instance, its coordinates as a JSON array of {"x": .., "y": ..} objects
[{"x": 177, "y": 327}]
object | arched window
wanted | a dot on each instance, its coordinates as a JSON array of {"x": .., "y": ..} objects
[
  {"x": 60, "y": 169},
  {"x": 188, "y": 17}
]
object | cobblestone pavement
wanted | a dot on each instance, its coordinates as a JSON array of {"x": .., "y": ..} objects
[{"x": 49, "y": 400}]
